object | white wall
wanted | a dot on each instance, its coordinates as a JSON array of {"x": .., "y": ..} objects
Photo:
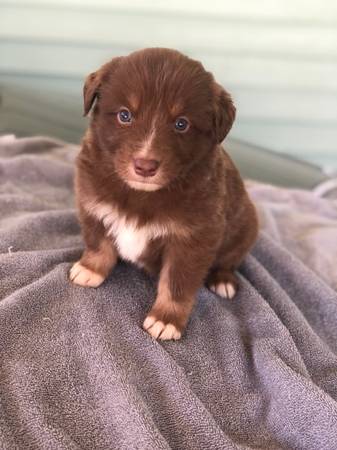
[{"x": 278, "y": 58}]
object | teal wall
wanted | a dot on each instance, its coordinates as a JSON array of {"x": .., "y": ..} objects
[{"x": 278, "y": 58}]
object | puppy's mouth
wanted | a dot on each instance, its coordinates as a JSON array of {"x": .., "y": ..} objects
[
  {"x": 142, "y": 175},
  {"x": 139, "y": 182},
  {"x": 143, "y": 185}
]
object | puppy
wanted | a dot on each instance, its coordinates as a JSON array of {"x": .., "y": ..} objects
[{"x": 154, "y": 186}]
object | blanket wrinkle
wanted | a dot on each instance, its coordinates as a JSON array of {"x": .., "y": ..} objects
[
  {"x": 293, "y": 319},
  {"x": 77, "y": 371},
  {"x": 319, "y": 299}
]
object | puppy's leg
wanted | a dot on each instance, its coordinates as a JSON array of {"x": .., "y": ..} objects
[
  {"x": 221, "y": 278},
  {"x": 182, "y": 273},
  {"x": 98, "y": 258}
]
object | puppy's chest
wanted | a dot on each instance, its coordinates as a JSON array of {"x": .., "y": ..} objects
[{"x": 131, "y": 240}]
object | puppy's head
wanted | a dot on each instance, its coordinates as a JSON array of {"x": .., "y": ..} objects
[{"x": 156, "y": 115}]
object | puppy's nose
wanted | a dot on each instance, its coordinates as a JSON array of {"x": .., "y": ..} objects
[{"x": 145, "y": 167}]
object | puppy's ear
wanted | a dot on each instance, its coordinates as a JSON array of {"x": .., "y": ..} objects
[
  {"x": 94, "y": 81},
  {"x": 90, "y": 89},
  {"x": 224, "y": 112}
]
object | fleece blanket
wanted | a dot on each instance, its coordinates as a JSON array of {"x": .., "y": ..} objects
[{"x": 78, "y": 372}]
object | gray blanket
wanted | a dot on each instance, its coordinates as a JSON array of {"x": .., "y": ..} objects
[{"x": 78, "y": 372}]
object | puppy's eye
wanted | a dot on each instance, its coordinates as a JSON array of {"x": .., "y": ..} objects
[
  {"x": 181, "y": 124},
  {"x": 124, "y": 116}
]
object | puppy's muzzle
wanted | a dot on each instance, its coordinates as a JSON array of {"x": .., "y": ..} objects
[{"x": 145, "y": 167}]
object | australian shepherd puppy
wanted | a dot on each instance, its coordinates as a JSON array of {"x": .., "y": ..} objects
[{"x": 154, "y": 186}]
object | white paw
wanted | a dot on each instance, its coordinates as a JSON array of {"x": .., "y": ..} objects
[
  {"x": 226, "y": 290},
  {"x": 84, "y": 277},
  {"x": 158, "y": 330}
]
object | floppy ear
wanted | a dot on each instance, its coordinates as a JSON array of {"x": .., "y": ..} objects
[
  {"x": 224, "y": 112},
  {"x": 90, "y": 90},
  {"x": 94, "y": 81}
]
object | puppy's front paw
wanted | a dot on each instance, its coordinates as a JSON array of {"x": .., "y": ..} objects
[
  {"x": 160, "y": 330},
  {"x": 85, "y": 277},
  {"x": 225, "y": 290}
]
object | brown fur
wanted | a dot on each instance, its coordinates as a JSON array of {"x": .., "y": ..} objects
[{"x": 200, "y": 199}]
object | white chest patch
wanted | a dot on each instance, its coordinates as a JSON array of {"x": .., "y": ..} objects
[
  {"x": 131, "y": 242},
  {"x": 130, "y": 239}
]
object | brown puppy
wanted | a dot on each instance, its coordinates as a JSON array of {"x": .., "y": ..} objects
[{"x": 154, "y": 187}]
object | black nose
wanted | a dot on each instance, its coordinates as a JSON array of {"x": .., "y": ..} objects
[{"x": 146, "y": 167}]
